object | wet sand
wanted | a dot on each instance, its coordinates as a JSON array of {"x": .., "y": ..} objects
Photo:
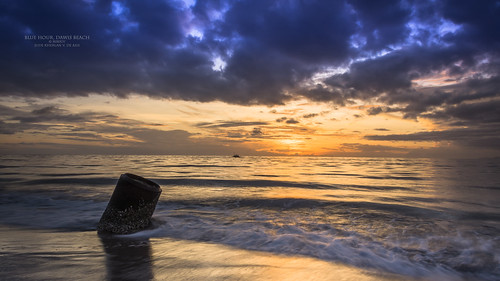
[{"x": 44, "y": 255}]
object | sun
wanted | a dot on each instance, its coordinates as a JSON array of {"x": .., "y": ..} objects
[{"x": 291, "y": 142}]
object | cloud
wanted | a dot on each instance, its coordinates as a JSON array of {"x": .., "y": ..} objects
[
  {"x": 229, "y": 124},
  {"x": 310, "y": 115},
  {"x": 382, "y": 23},
  {"x": 256, "y": 132},
  {"x": 287, "y": 120},
  {"x": 168, "y": 50},
  {"x": 374, "y": 110},
  {"x": 472, "y": 114},
  {"x": 49, "y": 113},
  {"x": 250, "y": 52},
  {"x": 149, "y": 48},
  {"x": 8, "y": 111},
  {"x": 486, "y": 136},
  {"x": 312, "y": 32},
  {"x": 53, "y": 129},
  {"x": 6, "y": 129}
]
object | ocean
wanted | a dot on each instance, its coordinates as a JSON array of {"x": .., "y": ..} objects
[{"x": 254, "y": 218}]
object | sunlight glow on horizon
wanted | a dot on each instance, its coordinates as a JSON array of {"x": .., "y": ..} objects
[{"x": 317, "y": 129}]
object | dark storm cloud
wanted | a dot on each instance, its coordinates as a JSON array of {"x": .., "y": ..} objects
[
  {"x": 481, "y": 21},
  {"x": 465, "y": 46},
  {"x": 309, "y": 31},
  {"x": 382, "y": 23},
  {"x": 257, "y": 52},
  {"x": 145, "y": 47}
]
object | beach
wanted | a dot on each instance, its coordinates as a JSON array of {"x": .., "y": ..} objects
[
  {"x": 33, "y": 254},
  {"x": 254, "y": 218}
]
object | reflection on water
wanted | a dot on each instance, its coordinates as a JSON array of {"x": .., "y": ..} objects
[
  {"x": 127, "y": 259},
  {"x": 190, "y": 260},
  {"x": 31, "y": 254}
]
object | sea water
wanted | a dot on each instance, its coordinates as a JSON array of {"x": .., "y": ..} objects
[{"x": 430, "y": 219}]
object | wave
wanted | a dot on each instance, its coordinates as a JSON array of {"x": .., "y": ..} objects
[
  {"x": 49, "y": 212},
  {"x": 201, "y": 166},
  {"x": 202, "y": 182},
  {"x": 57, "y": 208},
  {"x": 65, "y": 179},
  {"x": 72, "y": 181},
  {"x": 239, "y": 183},
  {"x": 485, "y": 187},
  {"x": 445, "y": 255},
  {"x": 387, "y": 177},
  {"x": 374, "y": 209},
  {"x": 333, "y": 174},
  {"x": 363, "y": 234},
  {"x": 9, "y": 166},
  {"x": 68, "y": 174},
  {"x": 9, "y": 180},
  {"x": 393, "y": 178}
]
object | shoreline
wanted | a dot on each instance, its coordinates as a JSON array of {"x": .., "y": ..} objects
[{"x": 42, "y": 254}]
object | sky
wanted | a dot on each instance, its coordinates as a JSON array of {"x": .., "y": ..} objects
[{"x": 255, "y": 77}]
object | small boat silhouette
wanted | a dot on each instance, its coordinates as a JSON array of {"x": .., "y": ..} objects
[{"x": 236, "y": 156}]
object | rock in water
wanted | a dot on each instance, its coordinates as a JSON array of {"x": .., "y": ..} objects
[{"x": 131, "y": 205}]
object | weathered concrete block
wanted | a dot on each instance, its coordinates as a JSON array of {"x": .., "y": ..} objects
[{"x": 131, "y": 205}]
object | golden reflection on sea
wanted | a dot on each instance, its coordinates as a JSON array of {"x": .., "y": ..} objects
[{"x": 188, "y": 260}]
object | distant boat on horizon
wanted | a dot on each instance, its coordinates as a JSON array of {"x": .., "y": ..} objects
[{"x": 236, "y": 156}]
